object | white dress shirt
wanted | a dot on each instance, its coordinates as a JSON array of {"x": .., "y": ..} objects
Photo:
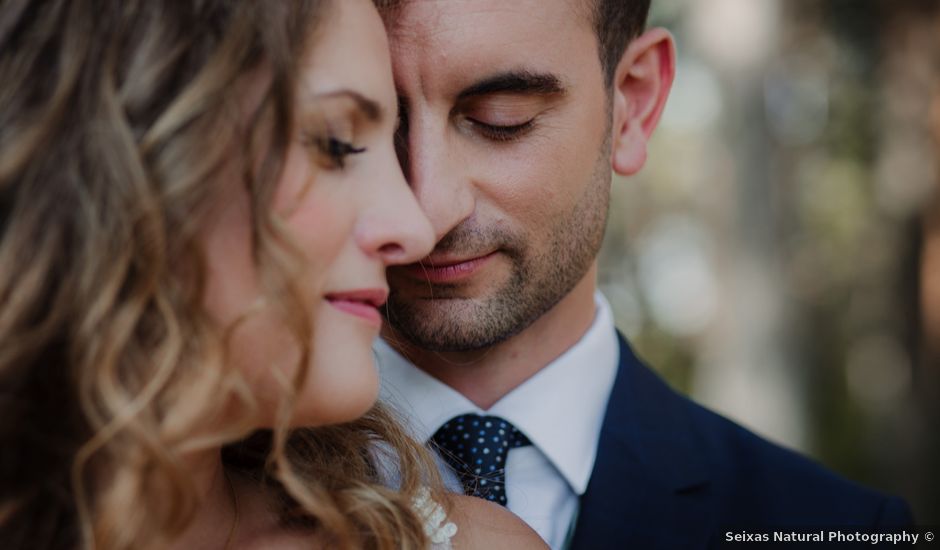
[{"x": 561, "y": 410}]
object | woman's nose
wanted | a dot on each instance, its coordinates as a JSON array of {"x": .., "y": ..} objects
[{"x": 396, "y": 229}]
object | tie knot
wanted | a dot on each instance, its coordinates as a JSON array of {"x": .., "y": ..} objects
[{"x": 476, "y": 447}]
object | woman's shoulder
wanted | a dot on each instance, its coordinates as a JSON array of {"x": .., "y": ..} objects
[{"x": 489, "y": 526}]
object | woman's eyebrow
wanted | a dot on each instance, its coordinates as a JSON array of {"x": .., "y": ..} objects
[{"x": 371, "y": 109}]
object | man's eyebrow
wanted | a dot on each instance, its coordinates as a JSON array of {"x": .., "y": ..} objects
[
  {"x": 371, "y": 109},
  {"x": 515, "y": 82}
]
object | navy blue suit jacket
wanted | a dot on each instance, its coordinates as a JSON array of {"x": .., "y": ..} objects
[{"x": 671, "y": 474}]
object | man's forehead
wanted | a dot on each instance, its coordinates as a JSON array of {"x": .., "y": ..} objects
[
  {"x": 449, "y": 43},
  {"x": 433, "y": 20}
]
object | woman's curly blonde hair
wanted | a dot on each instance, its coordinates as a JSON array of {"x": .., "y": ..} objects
[{"x": 116, "y": 119}]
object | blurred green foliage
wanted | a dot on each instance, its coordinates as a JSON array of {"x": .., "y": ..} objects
[{"x": 764, "y": 261}]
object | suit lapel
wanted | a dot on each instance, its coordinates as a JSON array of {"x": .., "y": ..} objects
[{"x": 648, "y": 488}]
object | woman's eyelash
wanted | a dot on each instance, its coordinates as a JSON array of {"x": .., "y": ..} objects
[
  {"x": 503, "y": 133},
  {"x": 332, "y": 150}
]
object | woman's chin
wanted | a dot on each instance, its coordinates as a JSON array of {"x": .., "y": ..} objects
[
  {"x": 343, "y": 382},
  {"x": 342, "y": 392},
  {"x": 328, "y": 414}
]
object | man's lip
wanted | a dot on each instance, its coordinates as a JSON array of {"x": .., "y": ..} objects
[
  {"x": 447, "y": 269},
  {"x": 362, "y": 303}
]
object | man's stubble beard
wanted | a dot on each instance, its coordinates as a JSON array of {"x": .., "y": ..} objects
[{"x": 537, "y": 281}]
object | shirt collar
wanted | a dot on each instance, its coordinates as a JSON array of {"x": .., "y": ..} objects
[{"x": 577, "y": 384}]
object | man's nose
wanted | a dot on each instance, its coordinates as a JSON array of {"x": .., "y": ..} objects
[{"x": 437, "y": 172}]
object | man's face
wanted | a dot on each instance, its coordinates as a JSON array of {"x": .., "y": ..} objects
[{"x": 505, "y": 140}]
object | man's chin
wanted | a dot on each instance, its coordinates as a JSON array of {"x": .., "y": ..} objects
[
  {"x": 439, "y": 341},
  {"x": 450, "y": 324},
  {"x": 431, "y": 307}
]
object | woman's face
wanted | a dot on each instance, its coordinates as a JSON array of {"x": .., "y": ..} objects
[{"x": 344, "y": 201}]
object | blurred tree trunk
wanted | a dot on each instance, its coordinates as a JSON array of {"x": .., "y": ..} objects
[
  {"x": 909, "y": 152},
  {"x": 930, "y": 284}
]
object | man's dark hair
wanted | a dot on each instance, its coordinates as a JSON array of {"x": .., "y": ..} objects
[{"x": 616, "y": 23}]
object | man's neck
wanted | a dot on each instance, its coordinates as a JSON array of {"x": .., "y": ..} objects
[{"x": 485, "y": 376}]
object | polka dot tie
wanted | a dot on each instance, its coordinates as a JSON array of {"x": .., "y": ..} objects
[{"x": 476, "y": 448}]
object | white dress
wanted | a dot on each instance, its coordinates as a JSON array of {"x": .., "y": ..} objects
[{"x": 436, "y": 526}]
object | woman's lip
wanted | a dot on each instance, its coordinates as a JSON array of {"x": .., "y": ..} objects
[
  {"x": 448, "y": 271},
  {"x": 374, "y": 296},
  {"x": 363, "y": 303}
]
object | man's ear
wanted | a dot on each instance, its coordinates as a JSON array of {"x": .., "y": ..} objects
[{"x": 641, "y": 85}]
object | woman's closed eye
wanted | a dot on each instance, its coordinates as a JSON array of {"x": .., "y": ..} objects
[
  {"x": 331, "y": 152},
  {"x": 331, "y": 129}
]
